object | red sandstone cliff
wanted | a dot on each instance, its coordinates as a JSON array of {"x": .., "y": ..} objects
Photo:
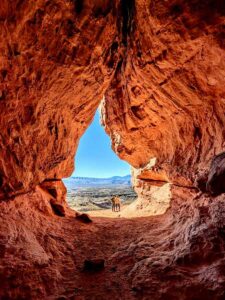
[
  {"x": 56, "y": 61},
  {"x": 161, "y": 62},
  {"x": 160, "y": 67},
  {"x": 166, "y": 100}
]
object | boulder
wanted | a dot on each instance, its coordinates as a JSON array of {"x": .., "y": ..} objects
[
  {"x": 94, "y": 265},
  {"x": 84, "y": 218}
]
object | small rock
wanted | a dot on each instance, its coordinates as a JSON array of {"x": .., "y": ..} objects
[
  {"x": 94, "y": 265},
  {"x": 113, "y": 269},
  {"x": 62, "y": 297},
  {"x": 85, "y": 218}
]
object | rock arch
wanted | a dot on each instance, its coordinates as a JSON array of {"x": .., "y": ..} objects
[
  {"x": 161, "y": 86},
  {"x": 160, "y": 66}
]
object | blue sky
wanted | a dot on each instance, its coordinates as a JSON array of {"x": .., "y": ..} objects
[{"x": 94, "y": 157}]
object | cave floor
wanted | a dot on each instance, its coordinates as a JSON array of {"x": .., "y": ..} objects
[
  {"x": 113, "y": 240},
  {"x": 177, "y": 255},
  {"x": 43, "y": 254}
]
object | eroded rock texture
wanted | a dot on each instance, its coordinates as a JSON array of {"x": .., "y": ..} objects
[
  {"x": 166, "y": 100},
  {"x": 56, "y": 61},
  {"x": 178, "y": 255},
  {"x": 216, "y": 179},
  {"x": 160, "y": 67},
  {"x": 161, "y": 62}
]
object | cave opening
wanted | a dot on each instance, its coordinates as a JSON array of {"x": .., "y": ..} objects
[
  {"x": 161, "y": 67},
  {"x": 99, "y": 176}
]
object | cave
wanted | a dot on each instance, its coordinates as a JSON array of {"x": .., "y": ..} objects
[
  {"x": 159, "y": 67},
  {"x": 99, "y": 176}
]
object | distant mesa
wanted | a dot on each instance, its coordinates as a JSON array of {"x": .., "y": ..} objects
[{"x": 95, "y": 182}]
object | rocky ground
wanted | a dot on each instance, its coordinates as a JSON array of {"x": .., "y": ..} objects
[
  {"x": 177, "y": 255},
  {"x": 159, "y": 67},
  {"x": 98, "y": 198}
]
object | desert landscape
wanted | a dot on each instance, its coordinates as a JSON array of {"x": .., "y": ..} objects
[
  {"x": 155, "y": 70},
  {"x": 91, "y": 194}
]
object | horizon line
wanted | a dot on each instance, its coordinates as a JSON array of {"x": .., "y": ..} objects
[{"x": 97, "y": 177}]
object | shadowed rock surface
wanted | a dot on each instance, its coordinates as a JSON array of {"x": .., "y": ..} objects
[
  {"x": 216, "y": 178},
  {"x": 178, "y": 255},
  {"x": 85, "y": 218},
  {"x": 159, "y": 67},
  {"x": 159, "y": 64},
  {"x": 95, "y": 265}
]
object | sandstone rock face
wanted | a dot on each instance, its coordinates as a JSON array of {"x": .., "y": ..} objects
[
  {"x": 154, "y": 196},
  {"x": 56, "y": 189},
  {"x": 57, "y": 192},
  {"x": 166, "y": 100},
  {"x": 194, "y": 239},
  {"x": 159, "y": 67},
  {"x": 216, "y": 179},
  {"x": 56, "y": 61}
]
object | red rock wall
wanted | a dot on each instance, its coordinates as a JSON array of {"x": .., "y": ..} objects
[
  {"x": 166, "y": 100},
  {"x": 161, "y": 62},
  {"x": 56, "y": 61},
  {"x": 160, "y": 65}
]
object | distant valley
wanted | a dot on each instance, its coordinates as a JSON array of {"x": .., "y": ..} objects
[
  {"x": 77, "y": 182},
  {"x": 85, "y": 193}
]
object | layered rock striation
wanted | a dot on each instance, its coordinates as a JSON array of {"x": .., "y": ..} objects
[
  {"x": 159, "y": 64},
  {"x": 166, "y": 100},
  {"x": 159, "y": 68},
  {"x": 56, "y": 61}
]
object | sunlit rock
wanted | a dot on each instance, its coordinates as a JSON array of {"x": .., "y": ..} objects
[{"x": 160, "y": 67}]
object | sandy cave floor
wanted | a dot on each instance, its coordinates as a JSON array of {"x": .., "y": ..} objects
[
  {"x": 105, "y": 213},
  {"x": 177, "y": 255},
  {"x": 108, "y": 239},
  {"x": 45, "y": 253},
  {"x": 108, "y": 213},
  {"x": 112, "y": 240}
]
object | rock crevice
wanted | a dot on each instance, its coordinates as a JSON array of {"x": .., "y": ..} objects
[{"x": 159, "y": 67}]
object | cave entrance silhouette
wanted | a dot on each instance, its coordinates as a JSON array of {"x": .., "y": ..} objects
[{"x": 99, "y": 175}]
